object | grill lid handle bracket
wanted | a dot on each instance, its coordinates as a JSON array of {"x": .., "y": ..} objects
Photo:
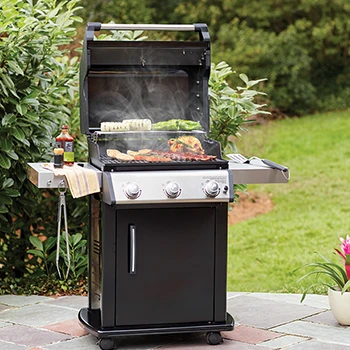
[{"x": 202, "y": 28}]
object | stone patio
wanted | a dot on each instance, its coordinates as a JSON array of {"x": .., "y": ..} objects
[{"x": 262, "y": 321}]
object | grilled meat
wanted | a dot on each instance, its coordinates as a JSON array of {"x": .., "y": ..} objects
[{"x": 186, "y": 144}]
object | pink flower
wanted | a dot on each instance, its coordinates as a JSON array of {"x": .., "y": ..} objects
[{"x": 345, "y": 245}]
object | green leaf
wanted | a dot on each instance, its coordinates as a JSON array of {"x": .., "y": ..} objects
[
  {"x": 18, "y": 133},
  {"x": 8, "y": 183},
  {"x": 3, "y": 209},
  {"x": 12, "y": 154},
  {"x": 15, "y": 67},
  {"x": 8, "y": 82},
  {"x": 21, "y": 109},
  {"x": 10, "y": 192},
  {"x": 30, "y": 101},
  {"x": 5, "y": 162},
  {"x": 4, "y": 199},
  {"x": 244, "y": 78},
  {"x": 49, "y": 243},
  {"x": 36, "y": 242},
  {"x": 8, "y": 119},
  {"x": 346, "y": 287},
  {"x": 36, "y": 252},
  {"x": 5, "y": 143},
  {"x": 76, "y": 238}
]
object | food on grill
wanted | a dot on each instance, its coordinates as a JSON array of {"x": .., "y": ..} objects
[
  {"x": 114, "y": 153},
  {"x": 185, "y": 144},
  {"x": 138, "y": 124},
  {"x": 184, "y": 148},
  {"x": 132, "y": 153},
  {"x": 177, "y": 125},
  {"x": 164, "y": 156},
  {"x": 127, "y": 125},
  {"x": 114, "y": 126},
  {"x": 153, "y": 158},
  {"x": 144, "y": 151}
]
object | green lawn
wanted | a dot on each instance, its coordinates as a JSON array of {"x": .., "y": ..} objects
[{"x": 310, "y": 212}]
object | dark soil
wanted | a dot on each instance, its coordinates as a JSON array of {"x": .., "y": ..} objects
[{"x": 249, "y": 206}]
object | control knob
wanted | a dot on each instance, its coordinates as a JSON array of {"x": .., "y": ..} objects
[
  {"x": 172, "y": 189},
  {"x": 212, "y": 189},
  {"x": 132, "y": 190}
]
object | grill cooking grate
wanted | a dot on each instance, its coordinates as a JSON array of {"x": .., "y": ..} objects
[{"x": 109, "y": 164}]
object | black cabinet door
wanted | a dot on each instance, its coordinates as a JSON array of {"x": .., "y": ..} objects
[{"x": 165, "y": 265}]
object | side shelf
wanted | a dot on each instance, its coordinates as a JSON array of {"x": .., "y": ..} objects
[
  {"x": 256, "y": 174},
  {"x": 43, "y": 178}
]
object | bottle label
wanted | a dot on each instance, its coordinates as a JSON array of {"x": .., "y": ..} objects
[
  {"x": 59, "y": 144},
  {"x": 69, "y": 146},
  {"x": 68, "y": 151}
]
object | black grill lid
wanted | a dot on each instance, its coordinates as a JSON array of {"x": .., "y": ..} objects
[{"x": 159, "y": 80}]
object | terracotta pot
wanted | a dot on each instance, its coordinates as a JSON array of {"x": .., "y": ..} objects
[{"x": 340, "y": 306}]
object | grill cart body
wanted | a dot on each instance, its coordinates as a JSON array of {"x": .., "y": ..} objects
[{"x": 158, "y": 231}]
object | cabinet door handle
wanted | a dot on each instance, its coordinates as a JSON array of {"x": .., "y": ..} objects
[{"x": 132, "y": 247}]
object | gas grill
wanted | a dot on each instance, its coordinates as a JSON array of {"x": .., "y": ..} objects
[
  {"x": 158, "y": 228},
  {"x": 158, "y": 231}
]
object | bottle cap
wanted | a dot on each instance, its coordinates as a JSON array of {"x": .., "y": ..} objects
[
  {"x": 64, "y": 126},
  {"x": 58, "y": 151}
]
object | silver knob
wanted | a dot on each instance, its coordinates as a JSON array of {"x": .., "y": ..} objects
[
  {"x": 212, "y": 189},
  {"x": 132, "y": 190},
  {"x": 172, "y": 189}
]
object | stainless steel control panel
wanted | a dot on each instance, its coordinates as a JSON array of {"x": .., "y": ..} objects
[{"x": 167, "y": 186}]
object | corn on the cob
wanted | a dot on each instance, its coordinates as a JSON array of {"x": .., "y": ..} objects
[
  {"x": 138, "y": 124},
  {"x": 114, "y": 126},
  {"x": 127, "y": 124}
]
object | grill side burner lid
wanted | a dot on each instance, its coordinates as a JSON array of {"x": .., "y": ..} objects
[{"x": 157, "y": 80}]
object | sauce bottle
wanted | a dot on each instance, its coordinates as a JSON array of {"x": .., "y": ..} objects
[
  {"x": 58, "y": 157},
  {"x": 66, "y": 141}
]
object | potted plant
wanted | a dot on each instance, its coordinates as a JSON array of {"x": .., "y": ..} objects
[{"x": 337, "y": 280}]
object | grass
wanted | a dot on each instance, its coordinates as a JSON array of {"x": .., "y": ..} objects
[{"x": 310, "y": 212}]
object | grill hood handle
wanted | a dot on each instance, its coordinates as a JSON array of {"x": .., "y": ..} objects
[{"x": 202, "y": 28}]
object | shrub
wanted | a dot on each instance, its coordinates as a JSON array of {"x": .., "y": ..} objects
[{"x": 37, "y": 86}]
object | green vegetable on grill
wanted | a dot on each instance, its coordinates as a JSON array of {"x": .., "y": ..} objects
[{"x": 177, "y": 125}]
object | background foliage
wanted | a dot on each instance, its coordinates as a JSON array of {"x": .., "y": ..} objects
[
  {"x": 37, "y": 95},
  {"x": 301, "y": 46}
]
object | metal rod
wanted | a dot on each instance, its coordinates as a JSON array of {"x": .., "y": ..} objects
[
  {"x": 132, "y": 233},
  {"x": 166, "y": 27}
]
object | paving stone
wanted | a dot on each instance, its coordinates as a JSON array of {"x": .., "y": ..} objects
[
  {"x": 201, "y": 344},
  {"x": 313, "y": 300},
  {"x": 4, "y": 307},
  {"x": 318, "y": 345},
  {"x": 5, "y": 324},
  {"x": 235, "y": 294},
  {"x": 317, "y": 331},
  {"x": 250, "y": 335},
  {"x": 284, "y": 341},
  {"x": 325, "y": 317},
  {"x": 263, "y": 313},
  {"x": 38, "y": 315},
  {"x": 74, "y": 302},
  {"x": 28, "y": 336},
  {"x": 21, "y": 300},
  {"x": 71, "y": 327},
  {"x": 83, "y": 343},
  {"x": 8, "y": 346}
]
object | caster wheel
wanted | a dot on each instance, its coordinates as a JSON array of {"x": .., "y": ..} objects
[
  {"x": 214, "y": 338},
  {"x": 106, "y": 344}
]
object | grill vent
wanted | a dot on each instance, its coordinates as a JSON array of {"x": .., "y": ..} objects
[{"x": 96, "y": 247}]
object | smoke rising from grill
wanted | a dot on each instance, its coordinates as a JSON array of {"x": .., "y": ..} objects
[{"x": 157, "y": 96}]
